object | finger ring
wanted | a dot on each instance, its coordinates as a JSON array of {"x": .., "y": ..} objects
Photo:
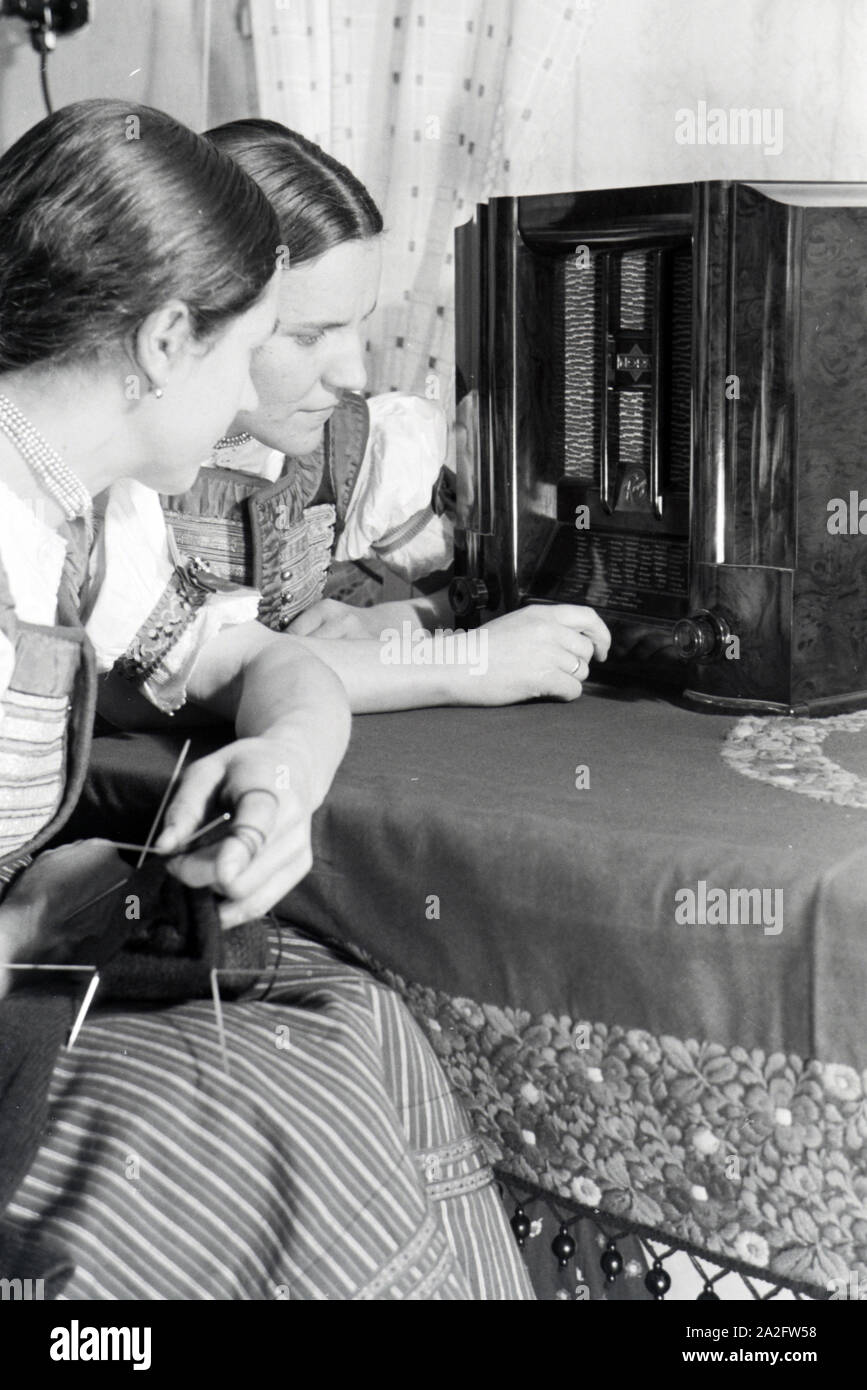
[
  {"x": 575, "y": 667},
  {"x": 251, "y": 837}
]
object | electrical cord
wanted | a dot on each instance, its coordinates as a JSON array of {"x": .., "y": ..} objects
[
  {"x": 46, "y": 19},
  {"x": 43, "y": 75}
]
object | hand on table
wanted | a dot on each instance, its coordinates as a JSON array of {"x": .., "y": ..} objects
[{"x": 543, "y": 650}]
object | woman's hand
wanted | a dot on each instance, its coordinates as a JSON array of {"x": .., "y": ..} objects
[
  {"x": 291, "y": 715},
  {"x": 266, "y": 784},
  {"x": 543, "y": 650}
]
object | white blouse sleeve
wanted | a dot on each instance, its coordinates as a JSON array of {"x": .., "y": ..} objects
[
  {"x": 390, "y": 515},
  {"x": 130, "y": 571},
  {"x": 166, "y": 687}
]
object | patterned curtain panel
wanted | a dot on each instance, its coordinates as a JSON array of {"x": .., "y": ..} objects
[{"x": 435, "y": 104}]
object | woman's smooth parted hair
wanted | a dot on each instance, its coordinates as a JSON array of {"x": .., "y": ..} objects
[
  {"x": 319, "y": 202},
  {"x": 108, "y": 210}
]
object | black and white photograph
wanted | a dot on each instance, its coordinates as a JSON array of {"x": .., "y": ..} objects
[{"x": 433, "y": 670}]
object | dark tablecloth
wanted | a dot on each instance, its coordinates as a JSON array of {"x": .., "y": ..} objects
[{"x": 552, "y": 898}]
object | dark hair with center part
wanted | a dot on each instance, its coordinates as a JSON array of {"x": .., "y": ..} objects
[
  {"x": 319, "y": 202},
  {"x": 108, "y": 210}
]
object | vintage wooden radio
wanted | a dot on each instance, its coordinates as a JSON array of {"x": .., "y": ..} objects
[{"x": 662, "y": 413}]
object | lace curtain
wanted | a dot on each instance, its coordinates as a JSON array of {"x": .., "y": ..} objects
[{"x": 435, "y": 104}]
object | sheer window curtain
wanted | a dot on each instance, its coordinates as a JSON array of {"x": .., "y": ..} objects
[{"x": 435, "y": 104}]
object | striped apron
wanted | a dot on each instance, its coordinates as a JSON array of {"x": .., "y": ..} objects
[{"x": 322, "y": 1155}]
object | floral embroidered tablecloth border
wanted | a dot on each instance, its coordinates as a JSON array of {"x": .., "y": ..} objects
[
  {"x": 754, "y": 1157},
  {"x": 788, "y": 753}
]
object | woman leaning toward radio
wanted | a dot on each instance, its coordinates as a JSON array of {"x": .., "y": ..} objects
[
  {"x": 274, "y": 509},
  {"x": 136, "y": 280}
]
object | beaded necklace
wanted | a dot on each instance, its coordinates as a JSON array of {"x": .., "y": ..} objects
[
  {"x": 233, "y": 441},
  {"x": 53, "y": 475}
]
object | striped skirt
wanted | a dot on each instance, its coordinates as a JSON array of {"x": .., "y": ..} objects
[{"x": 333, "y": 1162}]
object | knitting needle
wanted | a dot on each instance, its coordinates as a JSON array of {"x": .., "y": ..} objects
[
  {"x": 82, "y": 1012},
  {"x": 93, "y": 901},
  {"x": 211, "y": 825},
  {"x": 22, "y": 966},
  {"x": 86, "y": 1001},
  {"x": 176, "y": 772},
  {"x": 182, "y": 849},
  {"x": 221, "y": 1030},
  {"x": 145, "y": 849},
  {"x": 254, "y": 973}
]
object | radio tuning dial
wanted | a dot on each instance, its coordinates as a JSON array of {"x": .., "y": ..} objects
[
  {"x": 468, "y": 597},
  {"x": 701, "y": 637}
]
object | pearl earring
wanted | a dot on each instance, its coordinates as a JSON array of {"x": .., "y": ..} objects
[{"x": 157, "y": 391}]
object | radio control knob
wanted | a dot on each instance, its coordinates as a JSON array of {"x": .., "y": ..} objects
[
  {"x": 468, "y": 597},
  {"x": 701, "y": 637}
]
